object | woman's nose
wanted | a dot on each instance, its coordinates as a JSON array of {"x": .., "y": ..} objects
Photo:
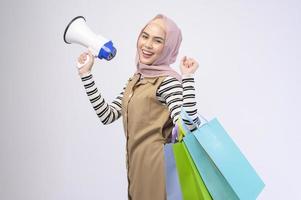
[{"x": 148, "y": 44}]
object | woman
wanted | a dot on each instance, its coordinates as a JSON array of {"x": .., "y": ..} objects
[{"x": 149, "y": 104}]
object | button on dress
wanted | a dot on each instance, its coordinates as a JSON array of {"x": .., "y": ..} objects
[{"x": 147, "y": 126}]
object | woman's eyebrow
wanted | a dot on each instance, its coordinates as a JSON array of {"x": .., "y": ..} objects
[{"x": 154, "y": 37}]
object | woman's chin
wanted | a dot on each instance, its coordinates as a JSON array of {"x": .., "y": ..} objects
[{"x": 146, "y": 61}]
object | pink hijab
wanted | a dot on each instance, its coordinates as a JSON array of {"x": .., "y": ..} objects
[{"x": 161, "y": 67}]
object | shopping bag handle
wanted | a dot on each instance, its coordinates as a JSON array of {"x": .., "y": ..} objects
[
  {"x": 180, "y": 129},
  {"x": 189, "y": 118},
  {"x": 174, "y": 133}
]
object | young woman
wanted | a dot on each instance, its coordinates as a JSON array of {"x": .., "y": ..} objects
[{"x": 149, "y": 104}]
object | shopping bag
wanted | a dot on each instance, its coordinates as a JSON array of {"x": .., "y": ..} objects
[
  {"x": 181, "y": 169},
  {"x": 214, "y": 180},
  {"x": 224, "y": 169},
  {"x": 173, "y": 189},
  {"x": 191, "y": 183}
]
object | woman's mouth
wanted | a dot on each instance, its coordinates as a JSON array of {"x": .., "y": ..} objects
[{"x": 147, "y": 54}]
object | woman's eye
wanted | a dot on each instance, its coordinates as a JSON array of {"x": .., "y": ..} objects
[
  {"x": 143, "y": 36},
  {"x": 159, "y": 41}
]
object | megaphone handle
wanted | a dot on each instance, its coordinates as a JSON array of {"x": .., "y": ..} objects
[{"x": 79, "y": 65}]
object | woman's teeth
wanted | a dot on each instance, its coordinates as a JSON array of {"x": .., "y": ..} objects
[{"x": 147, "y": 54}]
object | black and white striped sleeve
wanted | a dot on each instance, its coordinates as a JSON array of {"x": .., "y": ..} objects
[
  {"x": 177, "y": 95},
  {"x": 107, "y": 113},
  {"x": 189, "y": 102}
]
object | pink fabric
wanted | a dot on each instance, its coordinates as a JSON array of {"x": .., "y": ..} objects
[{"x": 161, "y": 66}]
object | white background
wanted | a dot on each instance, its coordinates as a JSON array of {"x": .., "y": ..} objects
[{"x": 53, "y": 146}]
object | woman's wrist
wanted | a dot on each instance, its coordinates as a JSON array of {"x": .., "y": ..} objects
[
  {"x": 83, "y": 74},
  {"x": 187, "y": 75}
]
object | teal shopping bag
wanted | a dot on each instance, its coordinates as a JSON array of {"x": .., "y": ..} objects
[
  {"x": 217, "y": 186},
  {"x": 224, "y": 169}
]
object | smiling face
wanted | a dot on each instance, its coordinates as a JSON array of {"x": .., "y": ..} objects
[{"x": 151, "y": 42}]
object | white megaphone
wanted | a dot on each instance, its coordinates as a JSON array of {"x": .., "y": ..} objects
[{"x": 78, "y": 32}]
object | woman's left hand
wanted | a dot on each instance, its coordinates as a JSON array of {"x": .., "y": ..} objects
[{"x": 188, "y": 65}]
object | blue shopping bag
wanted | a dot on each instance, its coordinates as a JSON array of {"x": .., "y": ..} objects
[
  {"x": 173, "y": 189},
  {"x": 225, "y": 171}
]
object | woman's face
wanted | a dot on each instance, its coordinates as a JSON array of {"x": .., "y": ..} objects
[{"x": 151, "y": 42}]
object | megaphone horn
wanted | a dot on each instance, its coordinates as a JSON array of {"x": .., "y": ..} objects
[{"x": 78, "y": 32}]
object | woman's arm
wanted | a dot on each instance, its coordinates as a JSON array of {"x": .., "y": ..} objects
[
  {"x": 188, "y": 67},
  {"x": 107, "y": 113},
  {"x": 189, "y": 102},
  {"x": 176, "y": 96}
]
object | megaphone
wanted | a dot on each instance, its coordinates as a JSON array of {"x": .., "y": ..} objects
[{"x": 78, "y": 32}]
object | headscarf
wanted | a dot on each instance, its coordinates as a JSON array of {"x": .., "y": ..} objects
[{"x": 160, "y": 67}]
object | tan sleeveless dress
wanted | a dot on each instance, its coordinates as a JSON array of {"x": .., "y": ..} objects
[{"x": 147, "y": 125}]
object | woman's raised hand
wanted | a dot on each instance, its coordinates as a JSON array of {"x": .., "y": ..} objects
[
  {"x": 188, "y": 66},
  {"x": 88, "y": 66}
]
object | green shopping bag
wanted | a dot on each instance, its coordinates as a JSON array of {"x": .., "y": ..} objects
[{"x": 192, "y": 185}]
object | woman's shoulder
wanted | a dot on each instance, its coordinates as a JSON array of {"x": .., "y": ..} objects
[
  {"x": 169, "y": 83},
  {"x": 170, "y": 80}
]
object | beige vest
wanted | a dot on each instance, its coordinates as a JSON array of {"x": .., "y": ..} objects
[{"x": 147, "y": 125}]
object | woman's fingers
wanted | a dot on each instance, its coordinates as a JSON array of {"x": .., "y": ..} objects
[
  {"x": 89, "y": 53},
  {"x": 82, "y": 58},
  {"x": 79, "y": 59},
  {"x": 195, "y": 63},
  {"x": 188, "y": 62},
  {"x": 191, "y": 62}
]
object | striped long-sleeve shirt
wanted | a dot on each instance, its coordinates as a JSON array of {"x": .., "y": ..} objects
[{"x": 171, "y": 92}]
